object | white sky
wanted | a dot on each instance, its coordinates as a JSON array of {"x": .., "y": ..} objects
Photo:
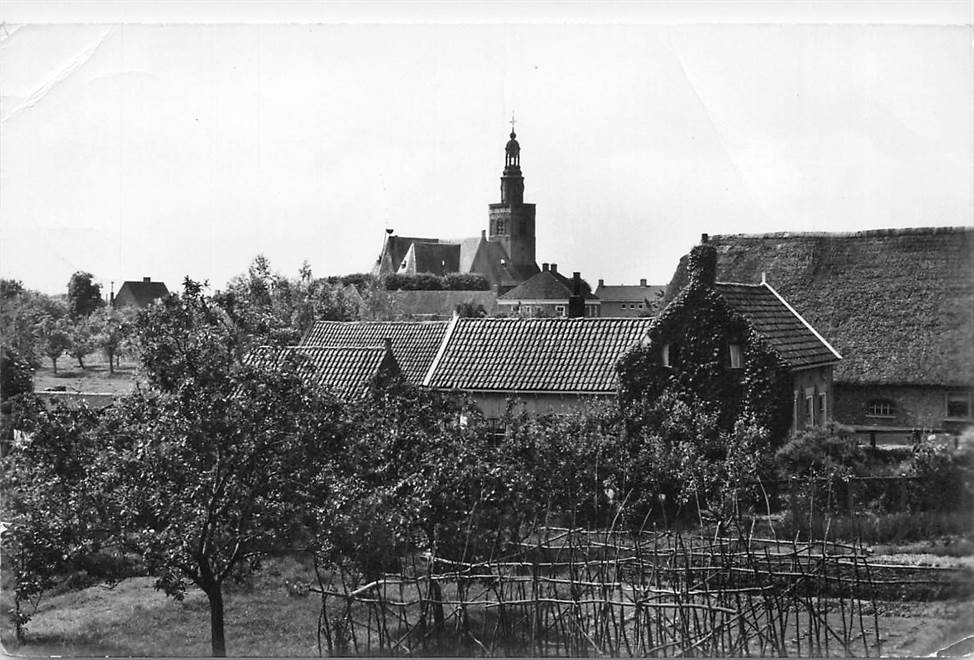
[{"x": 168, "y": 150}]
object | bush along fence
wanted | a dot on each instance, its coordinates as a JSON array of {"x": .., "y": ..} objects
[{"x": 571, "y": 592}]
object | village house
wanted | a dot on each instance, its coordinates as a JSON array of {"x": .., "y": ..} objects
[
  {"x": 549, "y": 293},
  {"x": 552, "y": 365},
  {"x": 629, "y": 299},
  {"x": 412, "y": 343},
  {"x": 742, "y": 347},
  {"x": 898, "y": 304},
  {"x": 138, "y": 294},
  {"x": 348, "y": 372}
]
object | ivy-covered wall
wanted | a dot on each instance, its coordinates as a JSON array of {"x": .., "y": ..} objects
[{"x": 699, "y": 328}]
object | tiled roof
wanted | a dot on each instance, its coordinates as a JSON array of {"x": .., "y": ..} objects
[
  {"x": 346, "y": 371},
  {"x": 794, "y": 341},
  {"x": 435, "y": 258},
  {"x": 629, "y": 292},
  {"x": 546, "y": 285},
  {"x": 414, "y": 344},
  {"x": 898, "y": 304},
  {"x": 141, "y": 292},
  {"x": 535, "y": 355}
]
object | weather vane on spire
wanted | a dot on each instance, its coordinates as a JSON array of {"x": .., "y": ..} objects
[{"x": 513, "y": 121}]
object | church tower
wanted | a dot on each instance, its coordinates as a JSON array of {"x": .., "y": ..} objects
[{"x": 512, "y": 221}]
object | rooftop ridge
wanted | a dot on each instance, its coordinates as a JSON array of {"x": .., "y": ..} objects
[{"x": 867, "y": 233}]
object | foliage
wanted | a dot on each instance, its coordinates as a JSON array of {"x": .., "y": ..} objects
[
  {"x": 111, "y": 330},
  {"x": 20, "y": 312},
  {"x": 946, "y": 477},
  {"x": 430, "y": 282},
  {"x": 47, "y": 501},
  {"x": 53, "y": 337},
  {"x": 821, "y": 452},
  {"x": 698, "y": 328},
  {"x": 84, "y": 295},
  {"x": 16, "y": 374},
  {"x": 470, "y": 310},
  {"x": 82, "y": 340}
]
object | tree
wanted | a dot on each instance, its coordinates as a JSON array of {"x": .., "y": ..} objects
[
  {"x": 84, "y": 295},
  {"x": 82, "y": 341},
  {"x": 111, "y": 328},
  {"x": 54, "y": 338},
  {"x": 219, "y": 462},
  {"x": 16, "y": 375}
]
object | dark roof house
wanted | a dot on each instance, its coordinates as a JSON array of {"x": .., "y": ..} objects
[
  {"x": 898, "y": 304},
  {"x": 413, "y": 343},
  {"x": 629, "y": 299},
  {"x": 549, "y": 291},
  {"x": 139, "y": 294},
  {"x": 346, "y": 371},
  {"x": 534, "y": 356},
  {"x": 738, "y": 348}
]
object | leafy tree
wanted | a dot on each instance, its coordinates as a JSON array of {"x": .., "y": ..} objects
[
  {"x": 84, "y": 295},
  {"x": 82, "y": 340},
  {"x": 16, "y": 374},
  {"x": 20, "y": 312},
  {"x": 111, "y": 328},
  {"x": 54, "y": 338}
]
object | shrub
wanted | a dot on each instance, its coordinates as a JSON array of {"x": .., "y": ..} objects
[{"x": 945, "y": 477}]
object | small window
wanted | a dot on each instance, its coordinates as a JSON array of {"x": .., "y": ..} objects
[
  {"x": 735, "y": 356},
  {"x": 809, "y": 409},
  {"x": 881, "y": 408},
  {"x": 959, "y": 405},
  {"x": 823, "y": 407},
  {"x": 501, "y": 226},
  {"x": 559, "y": 310}
]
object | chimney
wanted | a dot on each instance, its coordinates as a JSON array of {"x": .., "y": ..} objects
[
  {"x": 601, "y": 283},
  {"x": 576, "y": 303},
  {"x": 544, "y": 267},
  {"x": 147, "y": 279},
  {"x": 554, "y": 268},
  {"x": 483, "y": 234},
  {"x": 702, "y": 266},
  {"x": 642, "y": 282},
  {"x": 704, "y": 238},
  {"x": 388, "y": 344}
]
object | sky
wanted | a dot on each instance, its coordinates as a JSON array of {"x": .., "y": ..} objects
[{"x": 167, "y": 148}]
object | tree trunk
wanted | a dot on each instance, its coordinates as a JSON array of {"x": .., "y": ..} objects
[
  {"x": 54, "y": 362},
  {"x": 81, "y": 362},
  {"x": 111, "y": 363},
  {"x": 217, "y": 639}
]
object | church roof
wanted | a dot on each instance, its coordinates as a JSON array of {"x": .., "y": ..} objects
[
  {"x": 435, "y": 258},
  {"x": 413, "y": 343},
  {"x": 561, "y": 355},
  {"x": 898, "y": 304}
]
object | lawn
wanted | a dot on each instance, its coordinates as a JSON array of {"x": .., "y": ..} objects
[
  {"x": 95, "y": 377},
  {"x": 265, "y": 618}
]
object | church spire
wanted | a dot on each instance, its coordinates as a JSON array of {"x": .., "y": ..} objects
[{"x": 512, "y": 183}]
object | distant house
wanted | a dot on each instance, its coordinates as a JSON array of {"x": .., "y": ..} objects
[
  {"x": 413, "y": 343},
  {"x": 898, "y": 304},
  {"x": 629, "y": 300},
  {"x": 439, "y": 305},
  {"x": 139, "y": 294},
  {"x": 550, "y": 364},
  {"x": 346, "y": 371},
  {"x": 549, "y": 293},
  {"x": 742, "y": 346}
]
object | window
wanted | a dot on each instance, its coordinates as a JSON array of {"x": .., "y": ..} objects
[
  {"x": 881, "y": 408},
  {"x": 501, "y": 226},
  {"x": 591, "y": 311},
  {"x": 809, "y": 408},
  {"x": 959, "y": 405},
  {"x": 735, "y": 356},
  {"x": 823, "y": 407},
  {"x": 559, "y": 310}
]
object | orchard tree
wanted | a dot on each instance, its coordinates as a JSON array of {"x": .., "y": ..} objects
[
  {"x": 82, "y": 341},
  {"x": 111, "y": 328},
  {"x": 53, "y": 338},
  {"x": 84, "y": 295}
]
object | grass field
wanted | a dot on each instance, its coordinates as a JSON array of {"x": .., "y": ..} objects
[
  {"x": 95, "y": 377},
  {"x": 264, "y": 619}
]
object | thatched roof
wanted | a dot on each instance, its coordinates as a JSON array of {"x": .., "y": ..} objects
[{"x": 898, "y": 304}]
